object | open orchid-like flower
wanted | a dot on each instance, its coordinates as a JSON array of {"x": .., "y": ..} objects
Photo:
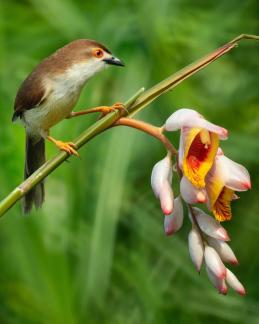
[
  {"x": 161, "y": 179},
  {"x": 199, "y": 142},
  {"x": 224, "y": 178}
]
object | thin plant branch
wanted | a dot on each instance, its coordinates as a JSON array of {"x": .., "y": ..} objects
[
  {"x": 152, "y": 130},
  {"x": 244, "y": 36},
  {"x": 140, "y": 100}
]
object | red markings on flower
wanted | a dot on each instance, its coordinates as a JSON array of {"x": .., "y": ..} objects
[
  {"x": 234, "y": 262},
  {"x": 167, "y": 211},
  {"x": 222, "y": 208},
  {"x": 198, "y": 152},
  {"x": 247, "y": 185}
]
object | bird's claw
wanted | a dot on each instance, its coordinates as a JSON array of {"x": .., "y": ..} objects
[
  {"x": 68, "y": 147},
  {"x": 118, "y": 106}
]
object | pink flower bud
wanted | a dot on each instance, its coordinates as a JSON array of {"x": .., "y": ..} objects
[
  {"x": 214, "y": 262},
  {"x": 161, "y": 173},
  {"x": 190, "y": 193},
  {"x": 210, "y": 226},
  {"x": 174, "y": 221},
  {"x": 219, "y": 284},
  {"x": 235, "y": 283},
  {"x": 161, "y": 178},
  {"x": 196, "y": 248},
  {"x": 166, "y": 199},
  {"x": 225, "y": 252}
]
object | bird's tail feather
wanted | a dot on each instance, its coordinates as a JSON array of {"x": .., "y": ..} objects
[{"x": 35, "y": 157}]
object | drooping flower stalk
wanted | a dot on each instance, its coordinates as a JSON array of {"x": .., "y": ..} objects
[{"x": 204, "y": 173}]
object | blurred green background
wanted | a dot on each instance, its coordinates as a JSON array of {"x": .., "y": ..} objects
[{"x": 96, "y": 252}]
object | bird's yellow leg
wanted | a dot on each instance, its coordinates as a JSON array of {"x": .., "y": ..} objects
[
  {"x": 68, "y": 147},
  {"x": 104, "y": 110}
]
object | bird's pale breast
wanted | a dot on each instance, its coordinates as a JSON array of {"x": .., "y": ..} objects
[{"x": 63, "y": 91}]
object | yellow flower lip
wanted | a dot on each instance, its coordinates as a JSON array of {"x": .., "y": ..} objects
[
  {"x": 224, "y": 178},
  {"x": 221, "y": 208},
  {"x": 200, "y": 148}
]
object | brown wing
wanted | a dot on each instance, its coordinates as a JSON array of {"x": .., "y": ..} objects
[{"x": 30, "y": 95}]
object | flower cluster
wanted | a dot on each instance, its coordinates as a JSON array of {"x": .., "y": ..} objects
[{"x": 208, "y": 177}]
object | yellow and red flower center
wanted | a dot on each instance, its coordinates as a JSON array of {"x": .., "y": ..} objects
[
  {"x": 199, "y": 149},
  {"x": 221, "y": 208},
  {"x": 199, "y": 156}
]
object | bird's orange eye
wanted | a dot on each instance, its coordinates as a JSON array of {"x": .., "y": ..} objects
[{"x": 98, "y": 53}]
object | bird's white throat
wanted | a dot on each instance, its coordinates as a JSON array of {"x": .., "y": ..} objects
[{"x": 74, "y": 78}]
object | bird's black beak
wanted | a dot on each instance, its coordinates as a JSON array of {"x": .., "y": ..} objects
[{"x": 113, "y": 61}]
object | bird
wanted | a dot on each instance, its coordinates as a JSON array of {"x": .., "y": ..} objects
[{"x": 49, "y": 94}]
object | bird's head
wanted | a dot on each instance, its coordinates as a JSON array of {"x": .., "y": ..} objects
[
  {"x": 101, "y": 55},
  {"x": 83, "y": 58}
]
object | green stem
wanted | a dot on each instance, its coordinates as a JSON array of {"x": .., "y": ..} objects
[
  {"x": 53, "y": 163},
  {"x": 244, "y": 36},
  {"x": 134, "y": 105},
  {"x": 172, "y": 81}
]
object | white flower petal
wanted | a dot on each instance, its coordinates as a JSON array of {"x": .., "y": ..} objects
[
  {"x": 225, "y": 252},
  {"x": 214, "y": 262},
  {"x": 210, "y": 226},
  {"x": 161, "y": 173},
  {"x": 180, "y": 118},
  {"x": 191, "y": 194},
  {"x": 166, "y": 197},
  {"x": 236, "y": 176},
  {"x": 219, "y": 284},
  {"x": 235, "y": 283},
  {"x": 196, "y": 248},
  {"x": 190, "y": 118},
  {"x": 174, "y": 221},
  {"x": 203, "y": 123},
  {"x": 231, "y": 174}
]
